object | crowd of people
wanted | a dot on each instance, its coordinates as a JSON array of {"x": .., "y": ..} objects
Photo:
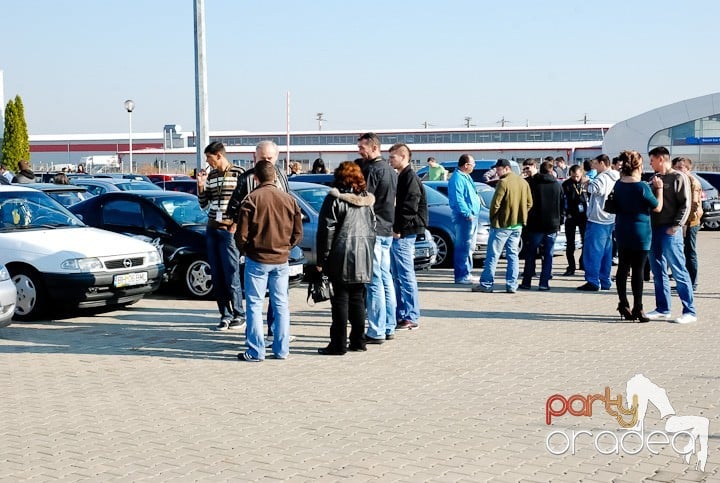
[
  {"x": 370, "y": 218},
  {"x": 651, "y": 223}
]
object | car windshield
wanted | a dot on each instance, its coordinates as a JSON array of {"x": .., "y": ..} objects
[
  {"x": 486, "y": 197},
  {"x": 313, "y": 196},
  {"x": 138, "y": 185},
  {"x": 185, "y": 210},
  {"x": 22, "y": 210},
  {"x": 68, "y": 198},
  {"x": 434, "y": 197}
]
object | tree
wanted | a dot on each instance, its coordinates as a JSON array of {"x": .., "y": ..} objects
[{"x": 16, "y": 143}]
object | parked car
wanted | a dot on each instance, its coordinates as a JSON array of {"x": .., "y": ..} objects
[
  {"x": 482, "y": 166},
  {"x": 310, "y": 197},
  {"x": 65, "y": 194},
  {"x": 131, "y": 176},
  {"x": 710, "y": 201},
  {"x": 98, "y": 186},
  {"x": 155, "y": 178},
  {"x": 8, "y": 297},
  {"x": 182, "y": 185},
  {"x": 58, "y": 262},
  {"x": 175, "y": 224}
]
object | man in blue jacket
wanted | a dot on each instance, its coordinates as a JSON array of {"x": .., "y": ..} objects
[{"x": 465, "y": 206}]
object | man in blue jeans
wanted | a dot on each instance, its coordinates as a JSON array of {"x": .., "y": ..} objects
[
  {"x": 666, "y": 248},
  {"x": 381, "y": 181},
  {"x": 270, "y": 225},
  {"x": 508, "y": 213},
  {"x": 214, "y": 192},
  {"x": 465, "y": 208},
  {"x": 410, "y": 220},
  {"x": 597, "y": 246}
]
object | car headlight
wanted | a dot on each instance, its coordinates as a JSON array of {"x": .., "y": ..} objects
[
  {"x": 82, "y": 264},
  {"x": 153, "y": 257},
  {"x": 4, "y": 274}
]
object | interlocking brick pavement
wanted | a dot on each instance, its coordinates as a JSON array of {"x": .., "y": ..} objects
[{"x": 151, "y": 393}]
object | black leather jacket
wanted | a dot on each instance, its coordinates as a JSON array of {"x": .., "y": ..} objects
[{"x": 346, "y": 237}]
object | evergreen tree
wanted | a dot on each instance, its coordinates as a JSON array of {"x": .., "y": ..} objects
[
  {"x": 16, "y": 143},
  {"x": 22, "y": 137}
]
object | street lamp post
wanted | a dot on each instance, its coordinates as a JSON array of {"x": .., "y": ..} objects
[{"x": 129, "y": 106}]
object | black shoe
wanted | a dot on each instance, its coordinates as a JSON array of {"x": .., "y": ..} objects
[
  {"x": 223, "y": 325},
  {"x": 371, "y": 340},
  {"x": 569, "y": 272},
  {"x": 543, "y": 288},
  {"x": 522, "y": 286},
  {"x": 244, "y": 356},
  {"x": 639, "y": 315},
  {"x": 389, "y": 336},
  {"x": 624, "y": 311},
  {"x": 237, "y": 323},
  {"x": 588, "y": 287},
  {"x": 357, "y": 348},
  {"x": 327, "y": 351}
]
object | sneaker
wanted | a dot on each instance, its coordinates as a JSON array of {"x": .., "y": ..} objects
[
  {"x": 655, "y": 315},
  {"x": 223, "y": 325},
  {"x": 588, "y": 287},
  {"x": 237, "y": 323},
  {"x": 606, "y": 288},
  {"x": 244, "y": 356},
  {"x": 569, "y": 273},
  {"x": 405, "y": 325},
  {"x": 615, "y": 260},
  {"x": 480, "y": 288},
  {"x": 685, "y": 319},
  {"x": 510, "y": 290},
  {"x": 468, "y": 281}
]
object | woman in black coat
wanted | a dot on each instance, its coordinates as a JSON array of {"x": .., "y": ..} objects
[{"x": 345, "y": 244}]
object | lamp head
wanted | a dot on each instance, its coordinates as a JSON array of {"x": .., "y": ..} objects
[{"x": 129, "y": 105}]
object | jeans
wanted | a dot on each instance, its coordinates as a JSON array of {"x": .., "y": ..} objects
[
  {"x": 381, "y": 292},
  {"x": 499, "y": 238},
  {"x": 691, "y": 258},
  {"x": 667, "y": 250},
  {"x": 347, "y": 303},
  {"x": 570, "y": 225},
  {"x": 465, "y": 231},
  {"x": 547, "y": 240},
  {"x": 597, "y": 254},
  {"x": 224, "y": 260},
  {"x": 260, "y": 277},
  {"x": 402, "y": 261}
]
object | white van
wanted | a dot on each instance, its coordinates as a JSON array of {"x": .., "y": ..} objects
[{"x": 56, "y": 262}]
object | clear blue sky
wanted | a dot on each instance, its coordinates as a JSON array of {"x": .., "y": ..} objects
[{"x": 366, "y": 65}]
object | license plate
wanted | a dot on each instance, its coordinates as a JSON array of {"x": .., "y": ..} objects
[
  {"x": 296, "y": 270},
  {"x": 716, "y": 206},
  {"x": 422, "y": 252},
  {"x": 129, "y": 279}
]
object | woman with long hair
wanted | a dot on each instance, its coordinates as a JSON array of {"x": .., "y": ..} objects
[
  {"x": 633, "y": 202},
  {"x": 345, "y": 245},
  {"x": 318, "y": 167}
]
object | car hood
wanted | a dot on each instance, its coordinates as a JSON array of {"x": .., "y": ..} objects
[{"x": 76, "y": 242}]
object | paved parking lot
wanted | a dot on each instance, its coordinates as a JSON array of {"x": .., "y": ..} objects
[{"x": 151, "y": 393}]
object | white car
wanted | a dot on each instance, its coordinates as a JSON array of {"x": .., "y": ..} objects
[
  {"x": 7, "y": 297},
  {"x": 56, "y": 262}
]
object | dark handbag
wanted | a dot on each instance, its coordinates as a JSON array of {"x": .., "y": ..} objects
[
  {"x": 610, "y": 203},
  {"x": 319, "y": 290}
]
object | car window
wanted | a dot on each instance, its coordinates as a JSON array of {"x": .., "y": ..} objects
[
  {"x": 185, "y": 210},
  {"x": 137, "y": 185},
  {"x": 26, "y": 210},
  {"x": 314, "y": 196},
  {"x": 486, "y": 197},
  {"x": 122, "y": 213},
  {"x": 434, "y": 197}
]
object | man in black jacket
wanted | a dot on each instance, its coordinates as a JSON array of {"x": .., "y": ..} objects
[
  {"x": 576, "y": 200},
  {"x": 410, "y": 220},
  {"x": 544, "y": 221},
  {"x": 381, "y": 181}
]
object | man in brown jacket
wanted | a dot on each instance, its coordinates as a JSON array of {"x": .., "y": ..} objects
[{"x": 270, "y": 225}]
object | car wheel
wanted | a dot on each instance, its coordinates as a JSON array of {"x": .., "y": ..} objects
[
  {"x": 197, "y": 279},
  {"x": 30, "y": 294},
  {"x": 711, "y": 225},
  {"x": 445, "y": 249}
]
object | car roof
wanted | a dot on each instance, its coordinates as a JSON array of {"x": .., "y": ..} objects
[
  {"x": 16, "y": 187},
  {"x": 149, "y": 194}
]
